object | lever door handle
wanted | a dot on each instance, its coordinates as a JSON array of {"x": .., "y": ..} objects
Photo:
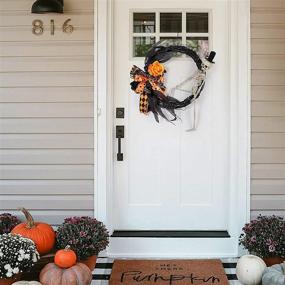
[{"x": 120, "y": 134}]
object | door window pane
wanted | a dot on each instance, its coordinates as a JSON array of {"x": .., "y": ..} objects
[
  {"x": 170, "y": 22},
  {"x": 198, "y": 44},
  {"x": 168, "y": 41},
  {"x": 144, "y": 22},
  {"x": 141, "y": 45},
  {"x": 174, "y": 29},
  {"x": 197, "y": 23}
]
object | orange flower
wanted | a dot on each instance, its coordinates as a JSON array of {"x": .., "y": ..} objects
[{"x": 156, "y": 69}]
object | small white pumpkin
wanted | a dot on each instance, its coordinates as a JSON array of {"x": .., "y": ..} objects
[
  {"x": 249, "y": 269},
  {"x": 27, "y": 283},
  {"x": 274, "y": 275}
]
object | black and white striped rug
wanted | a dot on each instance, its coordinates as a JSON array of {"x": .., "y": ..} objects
[{"x": 102, "y": 272}]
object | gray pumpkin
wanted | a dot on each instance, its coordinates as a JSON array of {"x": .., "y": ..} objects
[{"x": 274, "y": 275}]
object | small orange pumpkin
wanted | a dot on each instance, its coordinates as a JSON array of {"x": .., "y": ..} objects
[
  {"x": 42, "y": 234},
  {"x": 65, "y": 258},
  {"x": 78, "y": 274}
]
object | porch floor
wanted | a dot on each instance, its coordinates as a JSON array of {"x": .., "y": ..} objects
[{"x": 103, "y": 270}]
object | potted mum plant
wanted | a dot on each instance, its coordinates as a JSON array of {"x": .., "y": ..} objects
[
  {"x": 265, "y": 237},
  {"x": 17, "y": 255},
  {"x": 86, "y": 236},
  {"x": 7, "y": 223}
]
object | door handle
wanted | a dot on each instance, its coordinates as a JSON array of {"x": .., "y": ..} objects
[{"x": 120, "y": 134}]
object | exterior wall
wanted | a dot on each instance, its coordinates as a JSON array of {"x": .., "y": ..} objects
[
  {"x": 268, "y": 107},
  {"x": 46, "y": 112}
]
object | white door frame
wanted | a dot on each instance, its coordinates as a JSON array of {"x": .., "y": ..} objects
[{"x": 239, "y": 56}]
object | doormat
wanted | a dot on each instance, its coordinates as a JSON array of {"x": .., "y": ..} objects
[{"x": 168, "y": 272}]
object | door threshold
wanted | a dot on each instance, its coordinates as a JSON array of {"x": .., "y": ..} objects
[
  {"x": 156, "y": 247},
  {"x": 170, "y": 234}
]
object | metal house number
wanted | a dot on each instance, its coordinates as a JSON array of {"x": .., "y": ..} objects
[{"x": 38, "y": 27}]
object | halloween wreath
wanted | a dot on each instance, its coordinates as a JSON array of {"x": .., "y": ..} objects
[{"x": 149, "y": 83}]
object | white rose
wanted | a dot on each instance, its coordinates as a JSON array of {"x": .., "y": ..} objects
[
  {"x": 16, "y": 270},
  {"x": 20, "y": 258},
  {"x": 9, "y": 274},
  {"x": 27, "y": 256},
  {"x": 7, "y": 266}
]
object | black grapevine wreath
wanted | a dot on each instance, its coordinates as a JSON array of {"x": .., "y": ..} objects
[{"x": 149, "y": 83}]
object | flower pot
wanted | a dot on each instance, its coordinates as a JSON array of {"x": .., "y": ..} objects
[
  {"x": 34, "y": 272},
  {"x": 269, "y": 261},
  {"x": 11, "y": 280},
  {"x": 90, "y": 262},
  {"x": 8, "y": 281}
]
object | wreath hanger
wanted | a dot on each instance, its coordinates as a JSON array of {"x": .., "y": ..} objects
[{"x": 149, "y": 83}]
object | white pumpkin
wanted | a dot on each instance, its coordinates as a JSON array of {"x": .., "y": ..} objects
[
  {"x": 250, "y": 269},
  {"x": 27, "y": 283},
  {"x": 274, "y": 275}
]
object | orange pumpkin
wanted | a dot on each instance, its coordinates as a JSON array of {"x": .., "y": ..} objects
[
  {"x": 78, "y": 274},
  {"x": 42, "y": 234},
  {"x": 65, "y": 258}
]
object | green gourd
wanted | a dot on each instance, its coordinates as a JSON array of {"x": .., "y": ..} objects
[{"x": 274, "y": 275}]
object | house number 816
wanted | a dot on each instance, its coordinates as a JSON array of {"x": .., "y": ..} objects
[{"x": 38, "y": 27}]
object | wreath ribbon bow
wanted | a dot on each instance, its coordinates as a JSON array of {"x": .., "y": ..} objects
[
  {"x": 149, "y": 83},
  {"x": 143, "y": 84}
]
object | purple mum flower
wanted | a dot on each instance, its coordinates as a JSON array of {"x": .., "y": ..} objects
[{"x": 271, "y": 248}]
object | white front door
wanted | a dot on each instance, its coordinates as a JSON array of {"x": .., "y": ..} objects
[{"x": 171, "y": 178}]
